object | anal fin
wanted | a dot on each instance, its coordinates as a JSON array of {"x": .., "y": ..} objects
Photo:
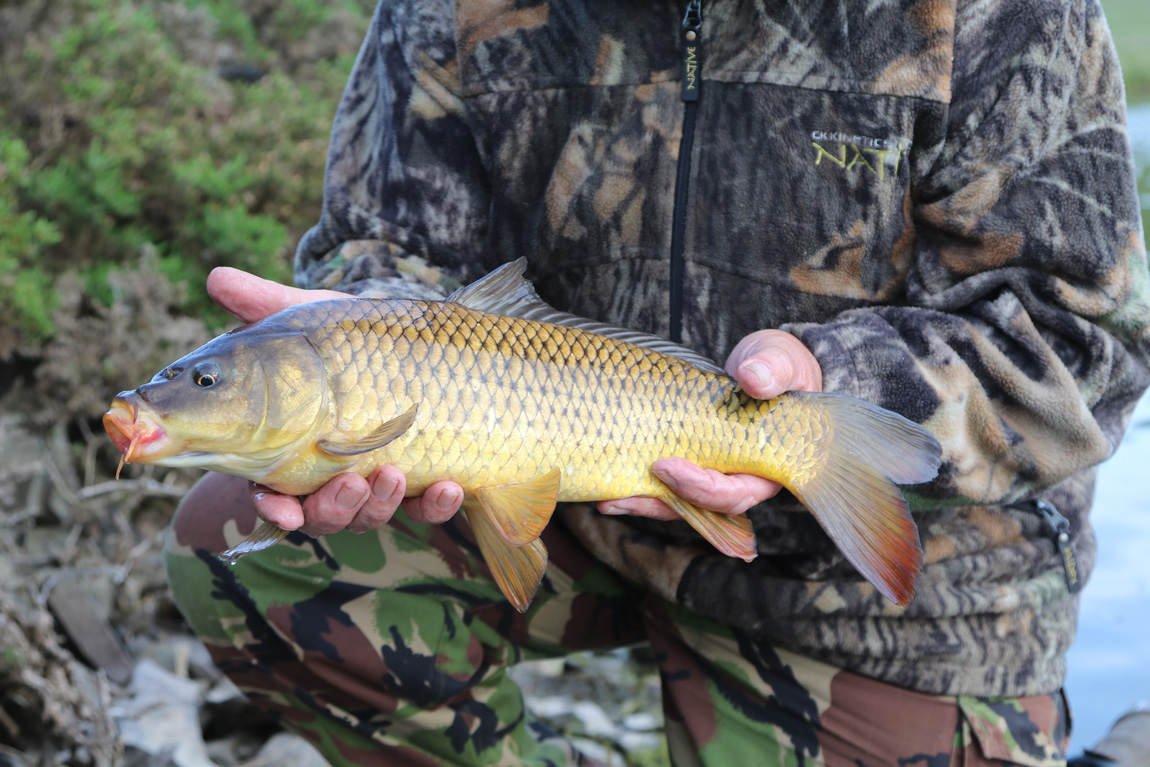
[
  {"x": 729, "y": 533},
  {"x": 521, "y": 510},
  {"x": 517, "y": 570}
]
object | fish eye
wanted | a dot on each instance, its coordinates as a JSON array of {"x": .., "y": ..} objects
[{"x": 206, "y": 374}]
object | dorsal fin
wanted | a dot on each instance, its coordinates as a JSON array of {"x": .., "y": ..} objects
[{"x": 505, "y": 292}]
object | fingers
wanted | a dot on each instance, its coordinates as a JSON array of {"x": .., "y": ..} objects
[
  {"x": 386, "y": 488},
  {"x": 713, "y": 490},
  {"x": 249, "y": 298},
  {"x": 704, "y": 488},
  {"x": 283, "y": 511},
  {"x": 638, "y": 506},
  {"x": 356, "y": 503},
  {"x": 438, "y": 503},
  {"x": 767, "y": 363},
  {"x": 334, "y": 506}
]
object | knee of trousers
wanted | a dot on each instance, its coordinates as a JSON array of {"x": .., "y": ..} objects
[
  {"x": 392, "y": 620},
  {"x": 215, "y": 513}
]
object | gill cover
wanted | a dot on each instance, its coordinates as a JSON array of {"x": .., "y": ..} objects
[{"x": 247, "y": 396}]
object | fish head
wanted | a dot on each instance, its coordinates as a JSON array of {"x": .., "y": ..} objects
[{"x": 238, "y": 405}]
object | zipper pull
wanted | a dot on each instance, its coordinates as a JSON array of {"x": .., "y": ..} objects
[
  {"x": 1060, "y": 533},
  {"x": 692, "y": 49}
]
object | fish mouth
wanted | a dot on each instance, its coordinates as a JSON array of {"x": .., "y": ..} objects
[{"x": 138, "y": 437}]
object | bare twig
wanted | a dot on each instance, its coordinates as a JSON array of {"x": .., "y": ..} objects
[
  {"x": 134, "y": 554},
  {"x": 9, "y": 723},
  {"x": 149, "y": 486},
  {"x": 110, "y": 752},
  {"x": 55, "y": 577},
  {"x": 68, "y": 550},
  {"x": 63, "y": 487},
  {"x": 91, "y": 446}
]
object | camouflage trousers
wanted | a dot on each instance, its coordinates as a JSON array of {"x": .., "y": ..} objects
[{"x": 392, "y": 648}]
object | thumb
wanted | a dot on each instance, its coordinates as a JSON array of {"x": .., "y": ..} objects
[
  {"x": 249, "y": 298},
  {"x": 767, "y": 363}
]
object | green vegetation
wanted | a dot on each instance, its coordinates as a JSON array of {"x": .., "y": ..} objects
[
  {"x": 187, "y": 135},
  {"x": 1130, "y": 25}
]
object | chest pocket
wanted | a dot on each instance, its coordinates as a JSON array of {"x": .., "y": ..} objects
[{"x": 806, "y": 190}]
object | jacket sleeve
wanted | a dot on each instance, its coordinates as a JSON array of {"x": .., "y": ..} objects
[
  {"x": 405, "y": 195},
  {"x": 1023, "y": 340}
]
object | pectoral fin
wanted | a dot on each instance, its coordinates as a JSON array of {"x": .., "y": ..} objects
[
  {"x": 521, "y": 510},
  {"x": 517, "y": 569},
  {"x": 374, "y": 441},
  {"x": 263, "y": 537},
  {"x": 730, "y": 534}
]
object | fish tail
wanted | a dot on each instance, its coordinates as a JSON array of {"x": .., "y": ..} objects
[{"x": 867, "y": 452}]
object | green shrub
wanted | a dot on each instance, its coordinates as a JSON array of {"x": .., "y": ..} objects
[
  {"x": 23, "y": 233},
  {"x": 122, "y": 137}
]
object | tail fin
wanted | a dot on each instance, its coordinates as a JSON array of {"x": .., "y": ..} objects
[{"x": 854, "y": 494}]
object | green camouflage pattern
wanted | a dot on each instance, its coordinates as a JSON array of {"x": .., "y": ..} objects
[
  {"x": 392, "y": 648},
  {"x": 936, "y": 196}
]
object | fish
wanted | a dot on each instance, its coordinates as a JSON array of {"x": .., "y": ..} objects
[{"x": 524, "y": 406}]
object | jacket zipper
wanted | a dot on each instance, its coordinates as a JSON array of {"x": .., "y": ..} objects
[
  {"x": 1058, "y": 527},
  {"x": 691, "y": 51}
]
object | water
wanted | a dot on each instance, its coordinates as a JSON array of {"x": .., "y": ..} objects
[{"x": 1110, "y": 659}]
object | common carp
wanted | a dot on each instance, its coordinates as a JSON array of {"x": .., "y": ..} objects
[{"x": 523, "y": 406}]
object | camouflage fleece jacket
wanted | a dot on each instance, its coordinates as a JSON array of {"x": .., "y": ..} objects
[{"x": 938, "y": 199}]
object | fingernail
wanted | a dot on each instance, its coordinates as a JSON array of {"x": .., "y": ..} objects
[
  {"x": 383, "y": 487},
  {"x": 349, "y": 497},
  {"x": 259, "y": 496},
  {"x": 615, "y": 510},
  {"x": 760, "y": 371},
  {"x": 447, "y": 500},
  {"x": 665, "y": 478}
]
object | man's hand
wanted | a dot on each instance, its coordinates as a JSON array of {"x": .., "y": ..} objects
[
  {"x": 349, "y": 500},
  {"x": 766, "y": 363}
]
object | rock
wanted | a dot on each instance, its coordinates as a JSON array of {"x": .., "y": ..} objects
[
  {"x": 595, "y": 721},
  {"x": 224, "y": 692},
  {"x": 596, "y": 751},
  {"x": 643, "y": 721},
  {"x": 82, "y": 604},
  {"x": 631, "y": 742},
  {"x": 161, "y": 716},
  {"x": 551, "y": 706},
  {"x": 286, "y": 749}
]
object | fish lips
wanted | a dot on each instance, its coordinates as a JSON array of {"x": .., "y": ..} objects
[{"x": 137, "y": 434}]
